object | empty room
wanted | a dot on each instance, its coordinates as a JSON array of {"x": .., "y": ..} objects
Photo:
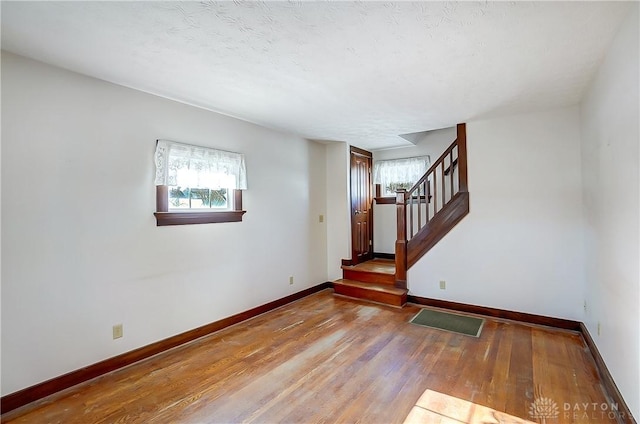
[{"x": 304, "y": 211}]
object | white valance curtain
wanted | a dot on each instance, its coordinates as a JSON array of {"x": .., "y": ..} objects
[
  {"x": 399, "y": 173},
  {"x": 185, "y": 165}
]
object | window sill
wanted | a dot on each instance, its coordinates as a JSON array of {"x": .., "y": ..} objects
[
  {"x": 385, "y": 200},
  {"x": 392, "y": 200},
  {"x": 186, "y": 218}
]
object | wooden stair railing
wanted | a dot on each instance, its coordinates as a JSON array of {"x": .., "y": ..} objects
[{"x": 432, "y": 207}]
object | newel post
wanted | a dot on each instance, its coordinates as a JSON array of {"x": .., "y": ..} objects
[
  {"x": 401, "y": 240},
  {"x": 462, "y": 157}
]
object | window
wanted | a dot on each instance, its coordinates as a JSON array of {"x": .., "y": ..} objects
[
  {"x": 198, "y": 185},
  {"x": 181, "y": 198},
  {"x": 396, "y": 174}
]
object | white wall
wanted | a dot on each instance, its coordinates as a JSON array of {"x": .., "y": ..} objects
[
  {"x": 610, "y": 162},
  {"x": 520, "y": 247},
  {"x": 80, "y": 247},
  {"x": 433, "y": 144},
  {"x": 338, "y": 208}
]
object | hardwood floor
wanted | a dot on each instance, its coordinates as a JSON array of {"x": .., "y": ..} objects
[{"x": 330, "y": 359}]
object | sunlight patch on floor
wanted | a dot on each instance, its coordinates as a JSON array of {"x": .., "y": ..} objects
[{"x": 438, "y": 408}]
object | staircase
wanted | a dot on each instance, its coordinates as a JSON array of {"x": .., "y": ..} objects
[
  {"x": 373, "y": 280},
  {"x": 425, "y": 214}
]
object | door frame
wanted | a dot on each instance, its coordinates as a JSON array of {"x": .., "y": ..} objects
[{"x": 369, "y": 190}]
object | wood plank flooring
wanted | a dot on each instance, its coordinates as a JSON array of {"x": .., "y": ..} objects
[{"x": 329, "y": 359}]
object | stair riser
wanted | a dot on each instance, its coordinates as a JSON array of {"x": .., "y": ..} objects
[
  {"x": 368, "y": 277},
  {"x": 374, "y": 296}
]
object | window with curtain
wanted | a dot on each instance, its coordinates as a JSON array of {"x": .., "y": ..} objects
[
  {"x": 396, "y": 174},
  {"x": 198, "y": 179}
]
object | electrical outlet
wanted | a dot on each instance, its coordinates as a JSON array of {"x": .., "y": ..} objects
[
  {"x": 598, "y": 328},
  {"x": 291, "y": 280},
  {"x": 117, "y": 331},
  {"x": 443, "y": 285},
  {"x": 321, "y": 218}
]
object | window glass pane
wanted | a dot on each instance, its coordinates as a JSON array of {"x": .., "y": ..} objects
[
  {"x": 393, "y": 187},
  {"x": 198, "y": 198},
  {"x": 179, "y": 197},
  {"x": 219, "y": 198}
]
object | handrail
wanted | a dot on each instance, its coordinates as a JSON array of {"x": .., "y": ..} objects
[
  {"x": 440, "y": 188},
  {"x": 434, "y": 165}
]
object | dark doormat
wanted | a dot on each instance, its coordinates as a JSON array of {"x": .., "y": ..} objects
[{"x": 450, "y": 322}]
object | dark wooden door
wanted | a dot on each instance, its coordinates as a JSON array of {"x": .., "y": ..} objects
[{"x": 361, "y": 206}]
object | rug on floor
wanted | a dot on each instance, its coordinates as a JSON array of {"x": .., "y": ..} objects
[{"x": 462, "y": 324}]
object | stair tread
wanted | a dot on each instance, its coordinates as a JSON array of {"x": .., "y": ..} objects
[
  {"x": 378, "y": 266},
  {"x": 385, "y": 288}
]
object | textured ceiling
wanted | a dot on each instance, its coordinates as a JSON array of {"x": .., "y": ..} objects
[{"x": 361, "y": 72}]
